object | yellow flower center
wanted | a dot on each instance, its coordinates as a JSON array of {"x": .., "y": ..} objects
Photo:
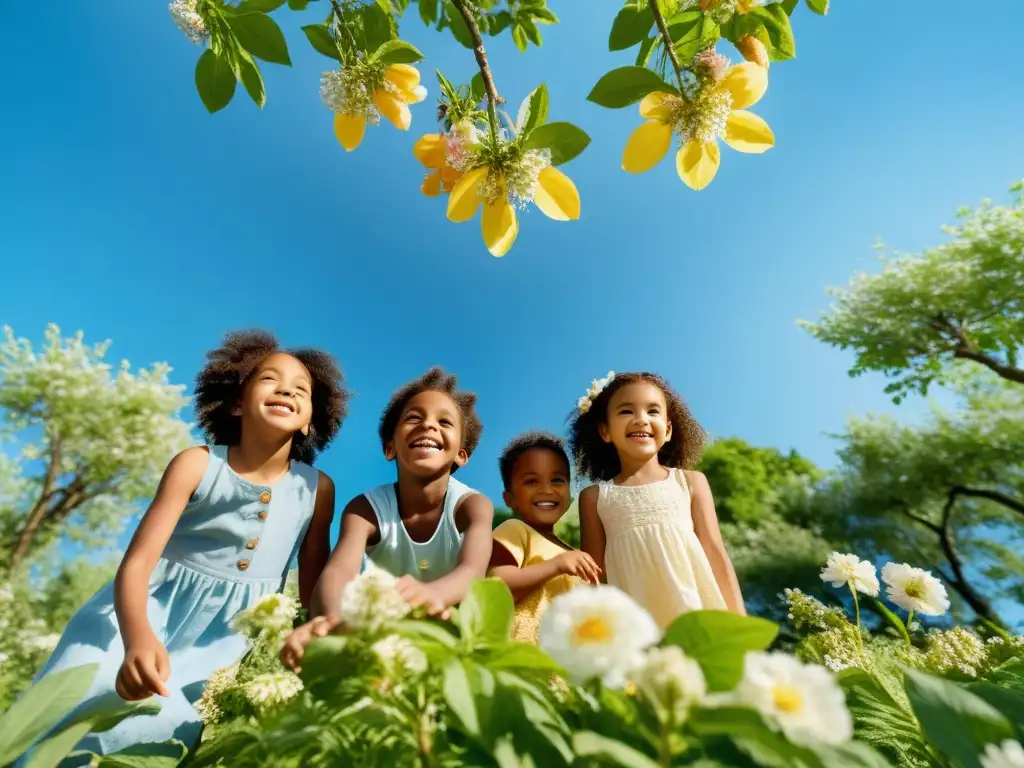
[
  {"x": 787, "y": 699},
  {"x": 914, "y": 590},
  {"x": 592, "y": 630}
]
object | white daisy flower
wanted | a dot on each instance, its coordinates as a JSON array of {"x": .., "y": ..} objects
[
  {"x": 804, "y": 701},
  {"x": 672, "y": 679},
  {"x": 913, "y": 589},
  {"x": 597, "y": 632},
  {"x": 1009, "y": 754},
  {"x": 370, "y": 600},
  {"x": 849, "y": 570}
]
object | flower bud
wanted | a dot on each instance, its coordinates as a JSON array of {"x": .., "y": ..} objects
[{"x": 753, "y": 50}]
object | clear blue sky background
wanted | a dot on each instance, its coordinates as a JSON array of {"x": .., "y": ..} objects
[{"x": 129, "y": 212}]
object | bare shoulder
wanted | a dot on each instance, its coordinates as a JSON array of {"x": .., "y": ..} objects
[
  {"x": 324, "y": 482},
  {"x": 475, "y": 501},
  {"x": 359, "y": 506},
  {"x": 589, "y": 495},
  {"x": 189, "y": 465},
  {"x": 473, "y": 508},
  {"x": 697, "y": 482}
]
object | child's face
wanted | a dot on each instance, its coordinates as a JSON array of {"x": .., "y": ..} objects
[
  {"x": 428, "y": 438},
  {"x": 277, "y": 396},
  {"x": 638, "y": 424},
  {"x": 539, "y": 487}
]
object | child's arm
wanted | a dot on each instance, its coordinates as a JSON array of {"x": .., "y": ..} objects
[
  {"x": 476, "y": 515},
  {"x": 705, "y": 525},
  {"x": 316, "y": 545},
  {"x": 510, "y": 544},
  {"x": 591, "y": 530},
  {"x": 358, "y": 524},
  {"x": 146, "y": 666}
]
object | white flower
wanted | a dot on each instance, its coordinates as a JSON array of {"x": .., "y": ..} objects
[
  {"x": 597, "y": 632},
  {"x": 44, "y": 642},
  {"x": 272, "y": 689},
  {"x": 370, "y": 600},
  {"x": 849, "y": 570},
  {"x": 274, "y": 612},
  {"x": 672, "y": 679},
  {"x": 913, "y": 589},
  {"x": 186, "y": 16},
  {"x": 1009, "y": 754},
  {"x": 3, "y": 657},
  {"x": 804, "y": 701},
  {"x": 400, "y": 656}
]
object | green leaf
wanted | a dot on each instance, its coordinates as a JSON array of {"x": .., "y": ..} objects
[
  {"x": 853, "y": 754},
  {"x": 631, "y": 25},
  {"x": 626, "y": 85},
  {"x": 251, "y": 77},
  {"x": 458, "y": 24},
  {"x": 319, "y": 37},
  {"x": 727, "y": 721},
  {"x": 428, "y": 631},
  {"x": 485, "y": 615},
  {"x": 532, "y": 33},
  {"x": 544, "y": 16},
  {"x": 590, "y": 744},
  {"x": 958, "y": 723},
  {"x": 320, "y": 659},
  {"x": 469, "y": 693},
  {"x": 298, "y": 5},
  {"x": 103, "y": 720},
  {"x": 1010, "y": 703},
  {"x": 500, "y": 21},
  {"x": 164, "y": 754},
  {"x": 428, "y": 11},
  {"x": 519, "y": 37},
  {"x": 397, "y": 52},
  {"x": 519, "y": 657},
  {"x": 768, "y": 748},
  {"x": 51, "y": 752},
  {"x": 259, "y": 35},
  {"x": 532, "y": 112},
  {"x": 215, "y": 80},
  {"x": 41, "y": 707},
  {"x": 262, "y": 6},
  {"x": 376, "y": 26},
  {"x": 818, "y": 6},
  {"x": 719, "y": 640},
  {"x": 643, "y": 56},
  {"x": 790, "y": 6},
  {"x": 564, "y": 140},
  {"x": 777, "y": 34}
]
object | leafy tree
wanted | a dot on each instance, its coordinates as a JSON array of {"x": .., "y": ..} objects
[
  {"x": 80, "y": 443},
  {"x": 957, "y": 301}
]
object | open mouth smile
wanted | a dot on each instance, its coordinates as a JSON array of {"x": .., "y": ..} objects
[
  {"x": 425, "y": 443},
  {"x": 281, "y": 407},
  {"x": 640, "y": 436}
]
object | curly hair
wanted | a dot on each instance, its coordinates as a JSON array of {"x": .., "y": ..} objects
[
  {"x": 220, "y": 384},
  {"x": 527, "y": 442},
  {"x": 434, "y": 380},
  {"x": 599, "y": 460}
]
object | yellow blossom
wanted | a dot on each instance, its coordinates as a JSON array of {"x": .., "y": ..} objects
[
  {"x": 718, "y": 110},
  {"x": 753, "y": 50},
  {"x": 400, "y": 88},
  {"x": 431, "y": 149}
]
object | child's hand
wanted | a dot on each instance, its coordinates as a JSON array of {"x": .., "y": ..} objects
[
  {"x": 579, "y": 564},
  {"x": 417, "y": 594},
  {"x": 145, "y": 669},
  {"x": 295, "y": 644}
]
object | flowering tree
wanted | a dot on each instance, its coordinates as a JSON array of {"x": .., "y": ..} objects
[
  {"x": 84, "y": 442},
  {"x": 483, "y": 157},
  {"x": 956, "y": 301}
]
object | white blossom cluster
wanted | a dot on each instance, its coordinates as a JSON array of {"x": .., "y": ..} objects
[
  {"x": 400, "y": 657},
  {"x": 345, "y": 91},
  {"x": 370, "y": 601},
  {"x": 274, "y": 613},
  {"x": 957, "y": 648},
  {"x": 186, "y": 15},
  {"x": 272, "y": 689},
  {"x": 671, "y": 680}
]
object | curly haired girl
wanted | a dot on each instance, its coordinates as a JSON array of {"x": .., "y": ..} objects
[
  {"x": 227, "y": 520},
  {"x": 649, "y": 522}
]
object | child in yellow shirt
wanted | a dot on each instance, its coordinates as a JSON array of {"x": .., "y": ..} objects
[{"x": 527, "y": 555}]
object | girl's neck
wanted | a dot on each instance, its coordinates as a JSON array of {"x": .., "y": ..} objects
[
  {"x": 633, "y": 473},
  {"x": 418, "y": 495},
  {"x": 260, "y": 460}
]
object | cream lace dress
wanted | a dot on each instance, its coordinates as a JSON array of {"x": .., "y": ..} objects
[{"x": 651, "y": 550}]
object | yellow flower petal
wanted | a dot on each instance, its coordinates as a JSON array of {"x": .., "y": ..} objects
[
  {"x": 647, "y": 145},
  {"x": 464, "y": 199},
  {"x": 431, "y": 186},
  {"x": 414, "y": 95},
  {"x": 746, "y": 132},
  {"x": 697, "y": 163},
  {"x": 499, "y": 226},
  {"x": 394, "y": 109},
  {"x": 448, "y": 178},
  {"x": 404, "y": 76},
  {"x": 349, "y": 129},
  {"x": 746, "y": 82},
  {"x": 556, "y": 195},
  {"x": 653, "y": 106},
  {"x": 430, "y": 149}
]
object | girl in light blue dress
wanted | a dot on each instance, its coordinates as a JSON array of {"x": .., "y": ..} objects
[
  {"x": 226, "y": 522},
  {"x": 430, "y": 531}
]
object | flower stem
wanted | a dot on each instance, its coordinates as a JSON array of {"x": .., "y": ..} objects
[
  {"x": 666, "y": 38},
  {"x": 856, "y": 609},
  {"x": 493, "y": 99},
  {"x": 339, "y": 16},
  {"x": 910, "y": 621}
]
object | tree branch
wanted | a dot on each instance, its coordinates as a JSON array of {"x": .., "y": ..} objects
[
  {"x": 39, "y": 510},
  {"x": 978, "y": 602},
  {"x": 997, "y": 496},
  {"x": 480, "y": 53},
  {"x": 966, "y": 349},
  {"x": 666, "y": 39}
]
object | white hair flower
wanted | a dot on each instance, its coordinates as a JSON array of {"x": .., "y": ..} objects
[
  {"x": 597, "y": 386},
  {"x": 914, "y": 590},
  {"x": 849, "y": 570}
]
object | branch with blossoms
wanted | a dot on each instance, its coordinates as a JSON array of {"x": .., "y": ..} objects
[{"x": 483, "y": 159}]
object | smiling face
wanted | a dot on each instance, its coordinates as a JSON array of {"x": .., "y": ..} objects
[
  {"x": 277, "y": 396},
  {"x": 428, "y": 438},
  {"x": 539, "y": 487},
  {"x": 637, "y": 421}
]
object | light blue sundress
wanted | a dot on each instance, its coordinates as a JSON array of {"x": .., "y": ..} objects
[
  {"x": 398, "y": 554},
  {"x": 232, "y": 545}
]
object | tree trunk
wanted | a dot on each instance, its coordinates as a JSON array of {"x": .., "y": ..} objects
[{"x": 39, "y": 510}]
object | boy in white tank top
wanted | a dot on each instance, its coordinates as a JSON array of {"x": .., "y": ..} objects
[{"x": 427, "y": 529}]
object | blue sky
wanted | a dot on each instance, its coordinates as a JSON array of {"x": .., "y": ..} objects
[{"x": 129, "y": 212}]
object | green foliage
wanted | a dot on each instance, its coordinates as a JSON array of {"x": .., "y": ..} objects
[
  {"x": 625, "y": 86},
  {"x": 958, "y": 300}
]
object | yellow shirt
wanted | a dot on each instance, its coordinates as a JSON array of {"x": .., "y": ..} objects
[{"x": 529, "y": 547}]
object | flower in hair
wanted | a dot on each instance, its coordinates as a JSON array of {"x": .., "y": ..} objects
[{"x": 597, "y": 386}]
